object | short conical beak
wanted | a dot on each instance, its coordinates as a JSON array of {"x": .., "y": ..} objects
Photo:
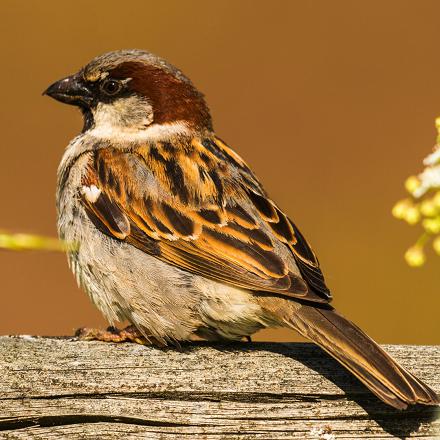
[{"x": 71, "y": 90}]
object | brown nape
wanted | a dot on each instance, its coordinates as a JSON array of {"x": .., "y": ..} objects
[{"x": 173, "y": 98}]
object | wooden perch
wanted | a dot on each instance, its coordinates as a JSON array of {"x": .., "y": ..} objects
[{"x": 64, "y": 388}]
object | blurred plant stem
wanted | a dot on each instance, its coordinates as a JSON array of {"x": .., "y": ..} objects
[
  {"x": 423, "y": 206},
  {"x": 23, "y": 242}
]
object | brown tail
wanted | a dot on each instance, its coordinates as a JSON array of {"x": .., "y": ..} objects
[{"x": 363, "y": 357}]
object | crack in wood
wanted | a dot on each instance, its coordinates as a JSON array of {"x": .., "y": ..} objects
[
  {"x": 192, "y": 396},
  {"x": 61, "y": 420}
]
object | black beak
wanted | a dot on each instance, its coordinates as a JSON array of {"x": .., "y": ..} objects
[{"x": 71, "y": 90}]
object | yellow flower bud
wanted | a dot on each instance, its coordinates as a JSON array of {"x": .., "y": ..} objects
[
  {"x": 400, "y": 208},
  {"x": 428, "y": 208},
  {"x": 436, "y": 199},
  {"x": 436, "y": 245},
  {"x": 415, "y": 256},
  {"x": 6, "y": 241},
  {"x": 412, "y": 183},
  {"x": 437, "y": 124},
  {"x": 412, "y": 215},
  {"x": 432, "y": 225}
]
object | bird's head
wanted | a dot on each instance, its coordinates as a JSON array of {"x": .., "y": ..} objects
[{"x": 131, "y": 91}]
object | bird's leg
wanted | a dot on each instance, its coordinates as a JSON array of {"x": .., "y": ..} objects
[
  {"x": 112, "y": 334},
  {"x": 248, "y": 338}
]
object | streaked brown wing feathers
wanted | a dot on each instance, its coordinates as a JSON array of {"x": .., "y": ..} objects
[{"x": 185, "y": 205}]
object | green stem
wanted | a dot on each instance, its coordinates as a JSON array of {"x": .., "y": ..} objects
[{"x": 21, "y": 242}]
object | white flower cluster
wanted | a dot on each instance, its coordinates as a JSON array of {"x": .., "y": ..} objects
[
  {"x": 423, "y": 206},
  {"x": 430, "y": 177}
]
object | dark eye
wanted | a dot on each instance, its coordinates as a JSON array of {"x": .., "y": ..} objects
[{"x": 111, "y": 87}]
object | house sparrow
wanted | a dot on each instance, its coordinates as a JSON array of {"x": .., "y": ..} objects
[{"x": 176, "y": 234}]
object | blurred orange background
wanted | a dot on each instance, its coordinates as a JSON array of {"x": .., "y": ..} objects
[{"x": 331, "y": 103}]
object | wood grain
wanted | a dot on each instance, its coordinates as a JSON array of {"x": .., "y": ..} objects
[{"x": 65, "y": 388}]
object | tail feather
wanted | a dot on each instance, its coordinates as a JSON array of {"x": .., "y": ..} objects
[{"x": 348, "y": 344}]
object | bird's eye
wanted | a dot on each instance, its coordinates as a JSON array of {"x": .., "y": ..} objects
[{"x": 111, "y": 87}]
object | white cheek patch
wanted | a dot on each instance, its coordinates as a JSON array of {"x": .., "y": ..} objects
[
  {"x": 131, "y": 119},
  {"x": 128, "y": 114},
  {"x": 91, "y": 193}
]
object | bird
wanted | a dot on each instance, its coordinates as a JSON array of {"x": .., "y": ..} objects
[{"x": 175, "y": 234}]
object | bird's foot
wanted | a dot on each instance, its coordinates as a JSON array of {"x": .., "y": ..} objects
[{"x": 112, "y": 334}]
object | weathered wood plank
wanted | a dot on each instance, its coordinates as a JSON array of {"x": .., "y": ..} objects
[{"x": 64, "y": 388}]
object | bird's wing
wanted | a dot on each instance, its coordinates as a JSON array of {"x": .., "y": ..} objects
[{"x": 196, "y": 205}]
